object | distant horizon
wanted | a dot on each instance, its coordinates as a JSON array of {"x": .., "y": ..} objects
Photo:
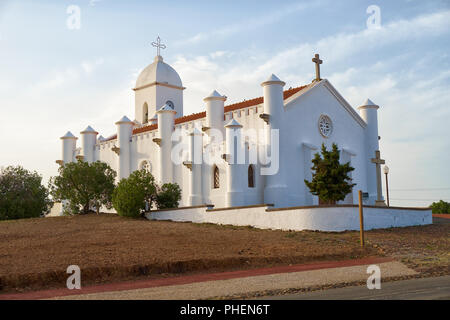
[{"x": 56, "y": 79}]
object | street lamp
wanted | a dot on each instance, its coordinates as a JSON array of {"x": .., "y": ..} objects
[{"x": 386, "y": 171}]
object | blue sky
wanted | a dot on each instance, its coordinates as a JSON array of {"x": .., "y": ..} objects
[{"x": 53, "y": 79}]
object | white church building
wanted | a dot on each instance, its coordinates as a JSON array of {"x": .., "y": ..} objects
[{"x": 274, "y": 137}]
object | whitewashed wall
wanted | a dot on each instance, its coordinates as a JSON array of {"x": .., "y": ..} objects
[
  {"x": 300, "y": 139},
  {"x": 339, "y": 218},
  {"x": 143, "y": 148}
]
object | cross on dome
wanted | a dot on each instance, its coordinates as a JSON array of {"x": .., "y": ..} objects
[{"x": 158, "y": 45}]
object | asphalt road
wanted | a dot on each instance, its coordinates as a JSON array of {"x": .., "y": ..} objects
[{"x": 424, "y": 289}]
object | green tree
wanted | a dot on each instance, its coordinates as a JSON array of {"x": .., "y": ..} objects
[
  {"x": 440, "y": 207},
  {"x": 134, "y": 194},
  {"x": 169, "y": 195},
  {"x": 85, "y": 185},
  {"x": 330, "y": 180},
  {"x": 22, "y": 194}
]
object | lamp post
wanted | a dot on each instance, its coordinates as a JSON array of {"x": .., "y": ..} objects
[{"x": 386, "y": 171}]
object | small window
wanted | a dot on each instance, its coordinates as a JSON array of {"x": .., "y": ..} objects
[
  {"x": 170, "y": 104},
  {"x": 216, "y": 178},
  {"x": 145, "y": 113},
  {"x": 251, "y": 177}
]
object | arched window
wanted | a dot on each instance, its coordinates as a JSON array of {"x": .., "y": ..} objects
[
  {"x": 145, "y": 113},
  {"x": 216, "y": 177},
  {"x": 251, "y": 177}
]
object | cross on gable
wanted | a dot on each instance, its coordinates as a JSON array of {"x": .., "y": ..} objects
[
  {"x": 158, "y": 45},
  {"x": 318, "y": 62}
]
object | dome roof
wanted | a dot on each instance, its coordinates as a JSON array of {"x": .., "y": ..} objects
[{"x": 160, "y": 72}]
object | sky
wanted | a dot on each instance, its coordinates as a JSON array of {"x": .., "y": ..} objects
[{"x": 57, "y": 75}]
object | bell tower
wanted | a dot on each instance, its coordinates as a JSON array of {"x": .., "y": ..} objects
[{"x": 157, "y": 85}]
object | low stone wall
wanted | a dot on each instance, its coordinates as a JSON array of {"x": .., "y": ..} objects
[
  {"x": 323, "y": 218},
  {"x": 55, "y": 211}
]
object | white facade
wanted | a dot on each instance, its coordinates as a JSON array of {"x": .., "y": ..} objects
[{"x": 304, "y": 117}]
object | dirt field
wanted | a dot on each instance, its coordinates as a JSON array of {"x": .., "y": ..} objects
[
  {"x": 425, "y": 249},
  {"x": 35, "y": 253}
]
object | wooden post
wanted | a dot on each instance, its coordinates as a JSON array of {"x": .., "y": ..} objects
[{"x": 361, "y": 218}]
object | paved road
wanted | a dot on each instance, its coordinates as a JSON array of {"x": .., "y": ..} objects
[
  {"x": 250, "y": 283},
  {"x": 426, "y": 288}
]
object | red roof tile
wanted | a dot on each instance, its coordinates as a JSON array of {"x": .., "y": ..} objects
[
  {"x": 145, "y": 128},
  {"x": 232, "y": 107},
  {"x": 190, "y": 117}
]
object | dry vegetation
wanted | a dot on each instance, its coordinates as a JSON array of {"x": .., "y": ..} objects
[
  {"x": 35, "y": 253},
  {"x": 425, "y": 249}
]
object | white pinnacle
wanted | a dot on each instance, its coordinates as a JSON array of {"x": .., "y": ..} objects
[
  {"x": 233, "y": 123},
  {"x": 369, "y": 102},
  {"x": 68, "y": 135}
]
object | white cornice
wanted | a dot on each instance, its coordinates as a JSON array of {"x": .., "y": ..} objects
[
  {"x": 159, "y": 84},
  {"x": 349, "y": 151},
  {"x": 325, "y": 83},
  {"x": 309, "y": 146},
  {"x": 343, "y": 102}
]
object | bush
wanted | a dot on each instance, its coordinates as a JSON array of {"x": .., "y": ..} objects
[
  {"x": 22, "y": 194},
  {"x": 128, "y": 199},
  {"x": 84, "y": 185},
  {"x": 132, "y": 195},
  {"x": 169, "y": 195},
  {"x": 330, "y": 180},
  {"x": 440, "y": 207}
]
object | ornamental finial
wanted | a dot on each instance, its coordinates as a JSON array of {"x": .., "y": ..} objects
[{"x": 158, "y": 45}]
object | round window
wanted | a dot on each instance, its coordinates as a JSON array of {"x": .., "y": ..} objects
[{"x": 325, "y": 126}]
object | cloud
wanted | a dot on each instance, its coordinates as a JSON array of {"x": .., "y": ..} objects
[
  {"x": 89, "y": 66},
  {"x": 71, "y": 74},
  {"x": 92, "y": 3},
  {"x": 248, "y": 24},
  {"x": 62, "y": 100},
  {"x": 240, "y": 74}
]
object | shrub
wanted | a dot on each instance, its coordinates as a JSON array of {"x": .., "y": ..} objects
[
  {"x": 330, "y": 180},
  {"x": 440, "y": 207},
  {"x": 22, "y": 194},
  {"x": 84, "y": 185},
  {"x": 169, "y": 195},
  {"x": 128, "y": 199},
  {"x": 132, "y": 195}
]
